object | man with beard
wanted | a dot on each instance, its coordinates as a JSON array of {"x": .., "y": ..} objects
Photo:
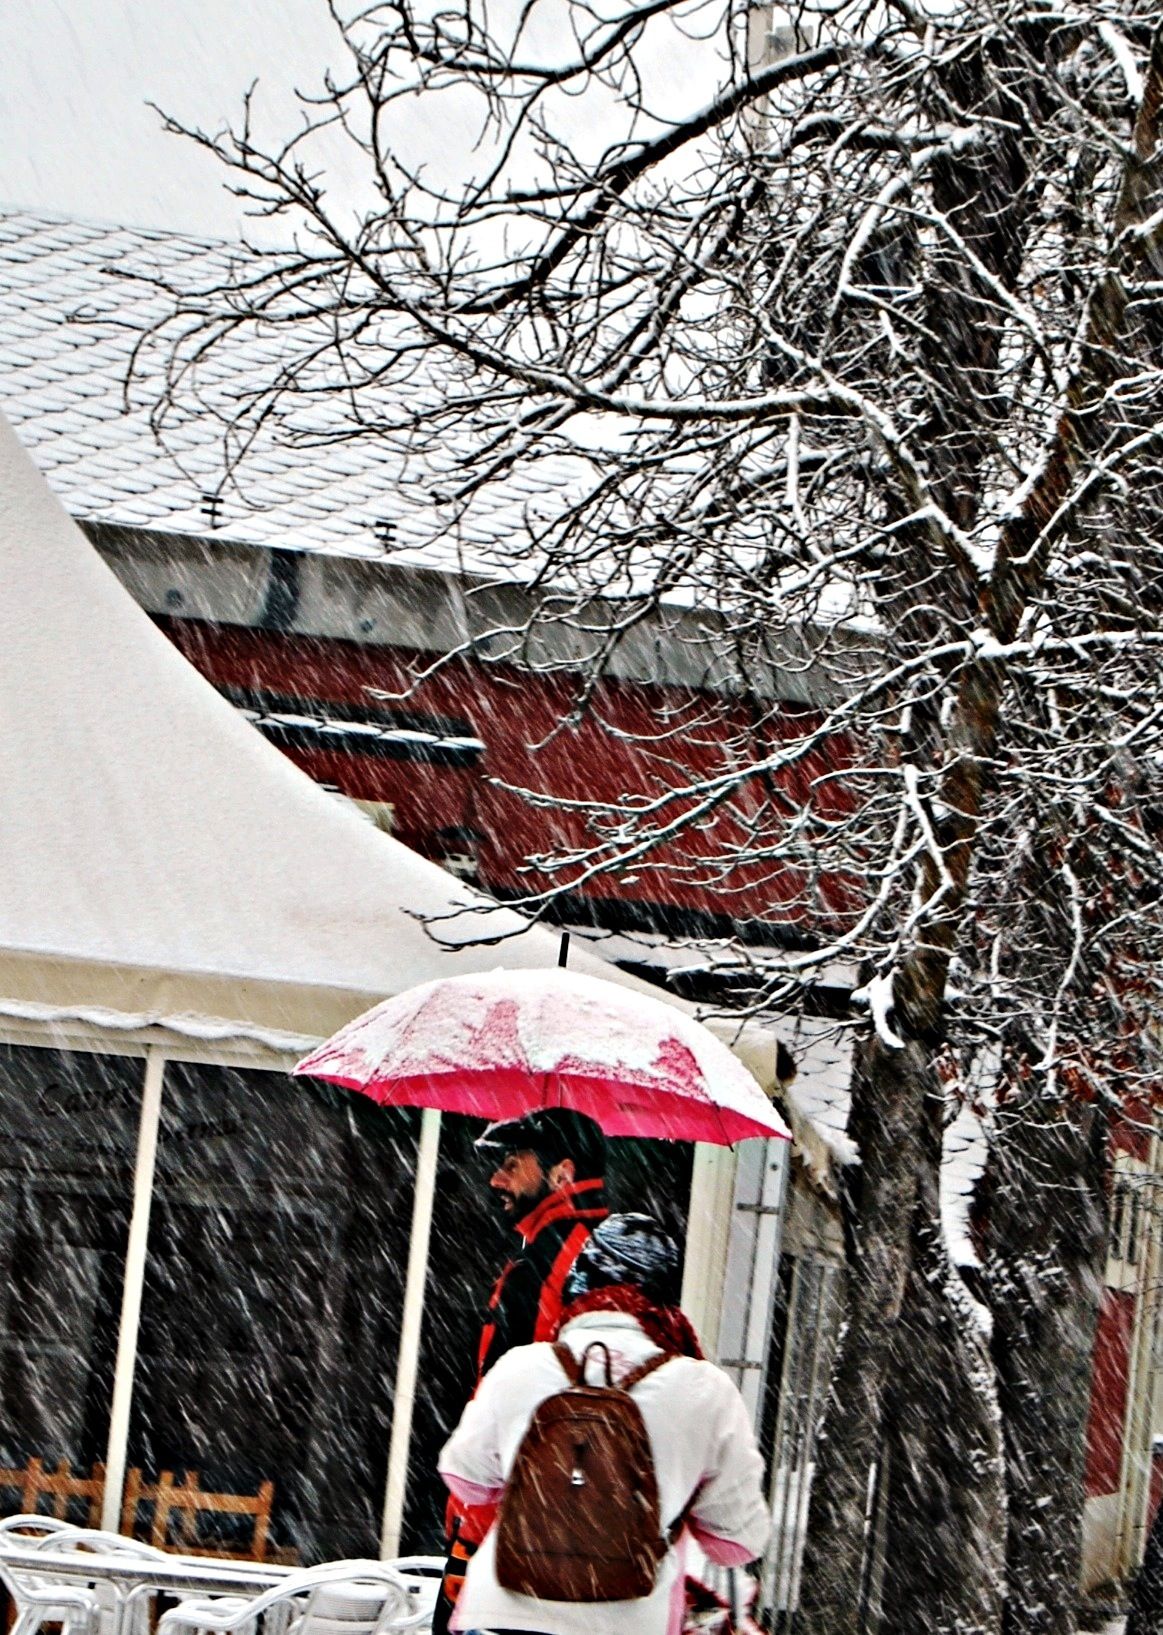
[
  {"x": 547, "y": 1180},
  {"x": 548, "y": 1183}
]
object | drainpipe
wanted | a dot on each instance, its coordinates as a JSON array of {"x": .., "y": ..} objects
[{"x": 1142, "y": 1386}]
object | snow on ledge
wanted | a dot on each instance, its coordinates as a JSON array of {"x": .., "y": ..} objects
[{"x": 203, "y": 1029}]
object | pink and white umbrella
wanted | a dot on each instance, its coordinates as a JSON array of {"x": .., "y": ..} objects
[{"x": 499, "y": 1044}]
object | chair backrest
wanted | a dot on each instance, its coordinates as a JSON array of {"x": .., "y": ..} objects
[
  {"x": 346, "y": 1598},
  {"x": 25, "y": 1587},
  {"x": 19, "y": 1587},
  {"x": 423, "y": 1576},
  {"x": 72, "y": 1540},
  {"x": 356, "y": 1606},
  {"x": 176, "y": 1509},
  {"x": 29, "y": 1523},
  {"x": 64, "y": 1489}
]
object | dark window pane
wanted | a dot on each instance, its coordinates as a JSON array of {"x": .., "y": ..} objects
[
  {"x": 272, "y": 1305},
  {"x": 68, "y": 1133}
]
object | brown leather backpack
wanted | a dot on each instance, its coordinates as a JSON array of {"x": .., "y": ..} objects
[{"x": 579, "y": 1519}]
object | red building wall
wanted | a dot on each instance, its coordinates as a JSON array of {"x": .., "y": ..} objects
[
  {"x": 625, "y": 743},
  {"x": 1108, "y": 1393}
]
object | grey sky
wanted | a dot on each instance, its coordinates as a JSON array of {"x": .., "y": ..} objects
[{"x": 76, "y": 136}]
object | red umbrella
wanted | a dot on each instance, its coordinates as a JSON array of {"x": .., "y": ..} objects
[{"x": 502, "y": 1043}]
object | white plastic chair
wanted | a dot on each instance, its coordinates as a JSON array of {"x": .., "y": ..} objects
[
  {"x": 338, "y": 1598},
  {"x": 74, "y": 1607},
  {"x": 123, "y": 1611},
  {"x": 71, "y": 1537},
  {"x": 423, "y": 1576}
]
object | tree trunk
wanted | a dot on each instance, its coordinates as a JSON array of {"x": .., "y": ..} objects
[
  {"x": 1041, "y": 1328},
  {"x": 945, "y": 1496},
  {"x": 887, "y": 1090},
  {"x": 1046, "y": 1219}
]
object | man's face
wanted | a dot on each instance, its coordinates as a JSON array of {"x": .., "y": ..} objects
[{"x": 518, "y": 1184}]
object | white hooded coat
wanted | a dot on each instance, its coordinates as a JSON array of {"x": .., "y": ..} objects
[{"x": 704, "y": 1456}]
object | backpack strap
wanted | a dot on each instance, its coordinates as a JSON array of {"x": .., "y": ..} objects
[
  {"x": 671, "y": 1535},
  {"x": 575, "y": 1367},
  {"x": 570, "y": 1364},
  {"x": 636, "y": 1375}
]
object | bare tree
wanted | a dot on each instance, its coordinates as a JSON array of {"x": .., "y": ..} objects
[{"x": 843, "y": 364}]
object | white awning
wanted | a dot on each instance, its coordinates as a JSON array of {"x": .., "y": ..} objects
[
  {"x": 166, "y": 868},
  {"x": 162, "y": 864}
]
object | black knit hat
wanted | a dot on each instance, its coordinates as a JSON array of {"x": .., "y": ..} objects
[
  {"x": 633, "y": 1249},
  {"x": 553, "y": 1133}
]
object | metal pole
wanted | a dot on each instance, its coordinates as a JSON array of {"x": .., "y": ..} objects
[
  {"x": 408, "y": 1363},
  {"x": 1135, "y": 1476},
  {"x": 132, "y": 1284}
]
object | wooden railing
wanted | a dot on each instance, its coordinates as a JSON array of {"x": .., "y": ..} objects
[
  {"x": 34, "y": 1482},
  {"x": 166, "y": 1513}
]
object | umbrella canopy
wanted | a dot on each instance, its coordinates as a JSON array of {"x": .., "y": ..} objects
[{"x": 503, "y": 1043}]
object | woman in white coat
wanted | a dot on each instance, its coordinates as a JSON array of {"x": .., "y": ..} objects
[{"x": 623, "y": 1293}]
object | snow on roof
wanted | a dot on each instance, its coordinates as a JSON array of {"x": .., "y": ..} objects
[{"x": 75, "y": 298}]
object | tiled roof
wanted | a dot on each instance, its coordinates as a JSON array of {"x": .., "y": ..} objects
[{"x": 75, "y": 297}]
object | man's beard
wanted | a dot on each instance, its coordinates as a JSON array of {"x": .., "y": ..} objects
[{"x": 523, "y": 1205}]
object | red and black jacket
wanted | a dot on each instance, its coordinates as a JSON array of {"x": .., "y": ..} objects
[{"x": 526, "y": 1300}]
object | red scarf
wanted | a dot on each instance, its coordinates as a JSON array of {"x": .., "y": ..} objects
[{"x": 669, "y": 1328}]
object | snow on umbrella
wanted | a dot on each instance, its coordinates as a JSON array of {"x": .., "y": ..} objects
[{"x": 498, "y": 1044}]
